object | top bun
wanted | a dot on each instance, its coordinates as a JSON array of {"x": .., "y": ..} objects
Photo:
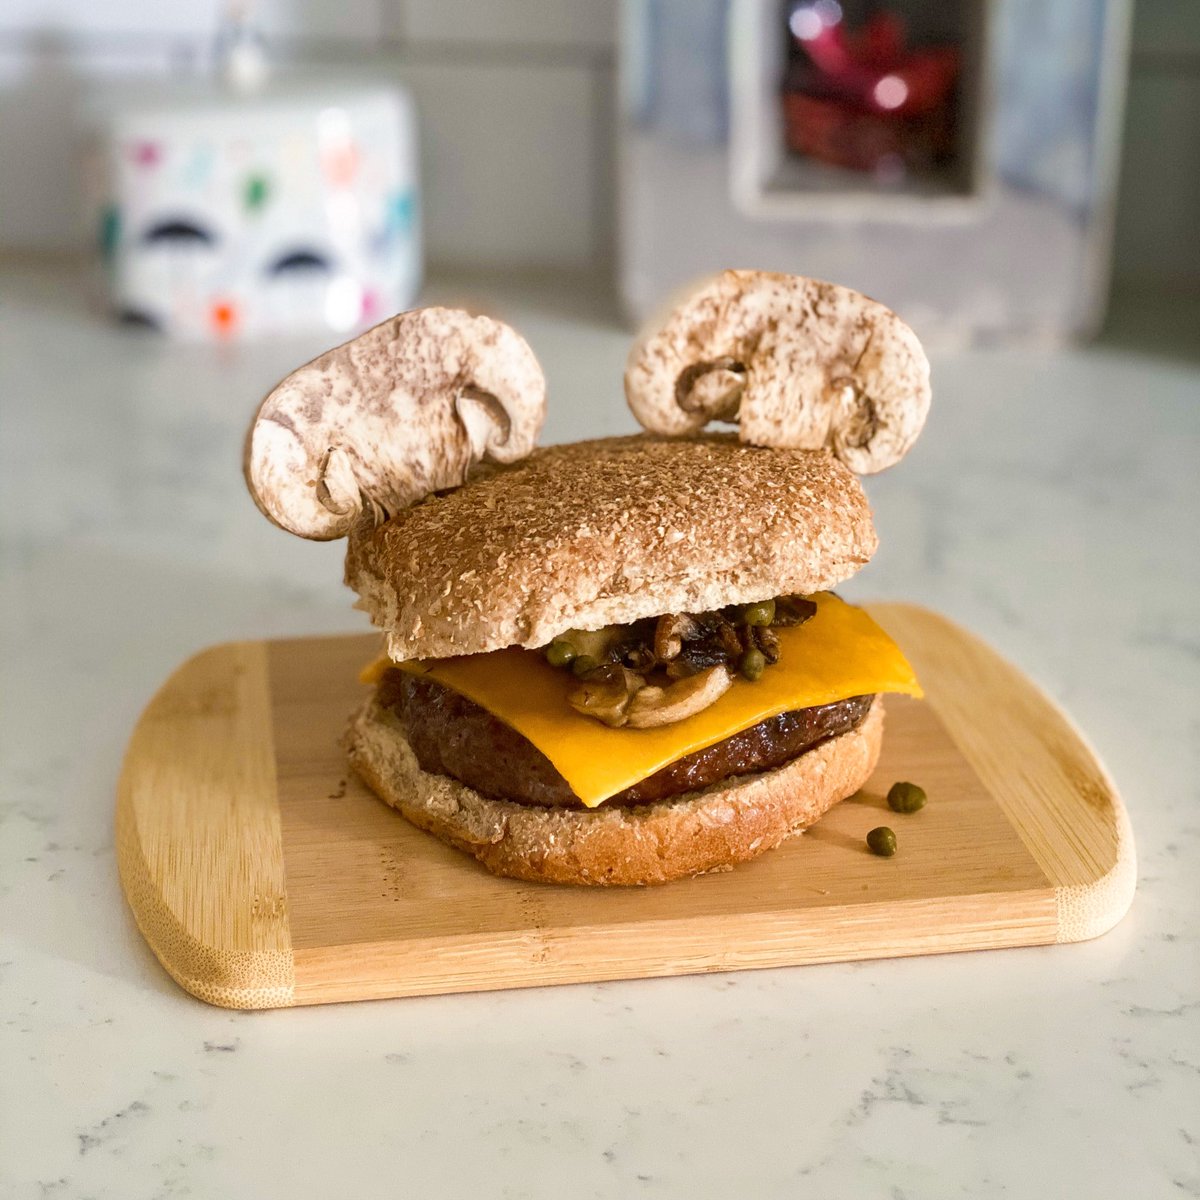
[{"x": 607, "y": 532}]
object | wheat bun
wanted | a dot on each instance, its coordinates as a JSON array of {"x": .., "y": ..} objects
[
  {"x": 607, "y": 532},
  {"x": 697, "y": 832}
]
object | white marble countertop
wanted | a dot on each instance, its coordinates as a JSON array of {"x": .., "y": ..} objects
[{"x": 1052, "y": 506}]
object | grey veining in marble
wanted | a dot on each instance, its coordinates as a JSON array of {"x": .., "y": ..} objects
[{"x": 1052, "y": 506}]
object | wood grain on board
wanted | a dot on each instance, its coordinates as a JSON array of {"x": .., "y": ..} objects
[{"x": 263, "y": 874}]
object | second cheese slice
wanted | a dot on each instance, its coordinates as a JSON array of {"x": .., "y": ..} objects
[{"x": 839, "y": 653}]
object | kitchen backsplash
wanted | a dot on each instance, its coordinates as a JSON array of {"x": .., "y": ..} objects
[{"x": 516, "y": 101}]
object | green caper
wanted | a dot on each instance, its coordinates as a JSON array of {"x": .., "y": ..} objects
[
  {"x": 905, "y": 797},
  {"x": 752, "y": 664},
  {"x": 882, "y": 841},
  {"x": 583, "y": 664},
  {"x": 560, "y": 653},
  {"x": 761, "y": 613}
]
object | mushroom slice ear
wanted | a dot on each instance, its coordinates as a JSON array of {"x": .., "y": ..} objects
[
  {"x": 398, "y": 413},
  {"x": 795, "y": 362}
]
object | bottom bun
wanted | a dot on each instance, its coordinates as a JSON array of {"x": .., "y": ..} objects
[{"x": 710, "y": 830}]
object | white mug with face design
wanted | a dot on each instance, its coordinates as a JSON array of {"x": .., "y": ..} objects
[{"x": 226, "y": 216}]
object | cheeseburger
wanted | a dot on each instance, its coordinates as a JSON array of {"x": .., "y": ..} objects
[{"x": 617, "y": 661}]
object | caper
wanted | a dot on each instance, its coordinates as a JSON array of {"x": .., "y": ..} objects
[
  {"x": 560, "y": 653},
  {"x": 761, "y": 613},
  {"x": 583, "y": 664},
  {"x": 882, "y": 841},
  {"x": 752, "y": 664},
  {"x": 905, "y": 797}
]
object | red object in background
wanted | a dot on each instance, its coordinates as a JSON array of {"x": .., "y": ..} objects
[
  {"x": 863, "y": 141},
  {"x": 865, "y": 101}
]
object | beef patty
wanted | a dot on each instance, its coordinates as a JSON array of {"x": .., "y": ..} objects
[{"x": 451, "y": 735}]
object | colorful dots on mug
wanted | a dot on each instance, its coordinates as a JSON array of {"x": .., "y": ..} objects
[
  {"x": 372, "y": 304},
  {"x": 256, "y": 193},
  {"x": 340, "y": 163},
  {"x": 109, "y": 233},
  {"x": 401, "y": 212},
  {"x": 146, "y": 153},
  {"x": 199, "y": 167},
  {"x": 225, "y": 317}
]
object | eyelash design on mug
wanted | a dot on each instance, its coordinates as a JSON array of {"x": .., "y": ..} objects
[
  {"x": 179, "y": 230},
  {"x": 302, "y": 259}
]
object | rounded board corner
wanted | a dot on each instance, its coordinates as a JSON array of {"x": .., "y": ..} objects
[{"x": 199, "y": 843}]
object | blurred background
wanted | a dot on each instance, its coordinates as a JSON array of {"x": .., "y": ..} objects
[
  {"x": 197, "y": 197},
  {"x": 994, "y": 169}
]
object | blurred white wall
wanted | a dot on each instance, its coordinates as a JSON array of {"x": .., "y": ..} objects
[
  {"x": 517, "y": 109},
  {"x": 515, "y": 100}
]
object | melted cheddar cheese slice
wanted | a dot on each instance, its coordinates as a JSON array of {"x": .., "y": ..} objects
[{"x": 839, "y": 653}]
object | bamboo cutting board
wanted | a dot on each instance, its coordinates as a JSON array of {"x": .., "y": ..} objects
[{"x": 263, "y": 874}]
